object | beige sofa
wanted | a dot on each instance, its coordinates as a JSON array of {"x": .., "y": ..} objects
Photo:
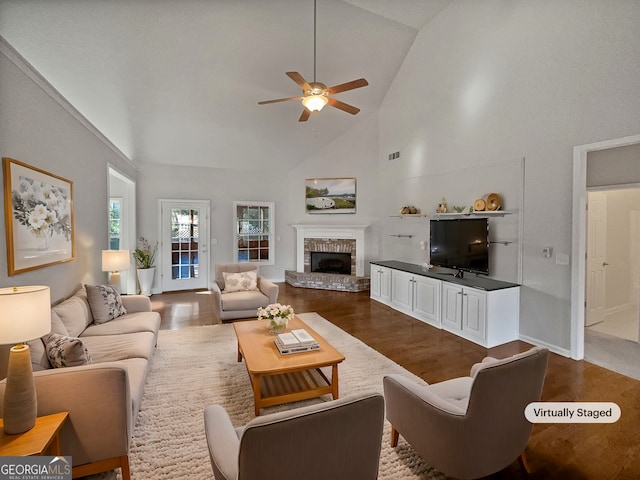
[
  {"x": 241, "y": 304},
  {"x": 102, "y": 398}
]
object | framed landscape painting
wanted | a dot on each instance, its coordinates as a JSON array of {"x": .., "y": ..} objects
[
  {"x": 330, "y": 195},
  {"x": 38, "y": 214}
]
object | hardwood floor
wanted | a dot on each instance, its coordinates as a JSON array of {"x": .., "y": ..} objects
[{"x": 555, "y": 451}]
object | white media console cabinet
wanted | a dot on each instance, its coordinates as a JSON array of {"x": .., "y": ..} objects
[{"x": 479, "y": 309}]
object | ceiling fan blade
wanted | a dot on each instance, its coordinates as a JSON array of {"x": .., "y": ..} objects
[
  {"x": 343, "y": 87},
  {"x": 264, "y": 102},
  {"x": 299, "y": 79},
  {"x": 343, "y": 106},
  {"x": 305, "y": 115}
]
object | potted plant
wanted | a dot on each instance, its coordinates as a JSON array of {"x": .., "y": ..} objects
[{"x": 145, "y": 257}]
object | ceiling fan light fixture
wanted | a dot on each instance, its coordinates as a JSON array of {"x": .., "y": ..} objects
[
  {"x": 314, "y": 103},
  {"x": 316, "y": 95}
]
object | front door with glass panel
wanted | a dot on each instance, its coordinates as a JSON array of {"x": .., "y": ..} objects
[{"x": 185, "y": 239}]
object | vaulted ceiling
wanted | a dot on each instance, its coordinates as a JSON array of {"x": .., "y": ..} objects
[{"x": 178, "y": 81}]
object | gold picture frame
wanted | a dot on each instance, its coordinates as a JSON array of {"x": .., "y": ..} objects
[{"x": 38, "y": 215}]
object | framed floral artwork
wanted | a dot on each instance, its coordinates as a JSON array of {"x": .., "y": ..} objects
[
  {"x": 38, "y": 214},
  {"x": 330, "y": 195}
]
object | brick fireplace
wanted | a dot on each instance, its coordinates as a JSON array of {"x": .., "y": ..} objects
[{"x": 326, "y": 240}]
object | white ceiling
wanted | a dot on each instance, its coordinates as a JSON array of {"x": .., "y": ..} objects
[{"x": 178, "y": 81}]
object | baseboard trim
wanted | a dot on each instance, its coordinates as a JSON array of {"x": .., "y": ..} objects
[
  {"x": 617, "y": 309},
  {"x": 565, "y": 352}
]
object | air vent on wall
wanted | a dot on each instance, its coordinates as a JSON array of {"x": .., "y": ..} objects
[{"x": 394, "y": 155}]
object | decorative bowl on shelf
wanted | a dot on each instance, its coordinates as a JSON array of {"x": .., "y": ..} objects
[{"x": 493, "y": 202}]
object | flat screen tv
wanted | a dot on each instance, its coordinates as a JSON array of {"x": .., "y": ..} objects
[{"x": 461, "y": 244}]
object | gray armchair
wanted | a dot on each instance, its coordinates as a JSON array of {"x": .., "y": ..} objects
[
  {"x": 241, "y": 304},
  {"x": 469, "y": 427},
  {"x": 339, "y": 440}
]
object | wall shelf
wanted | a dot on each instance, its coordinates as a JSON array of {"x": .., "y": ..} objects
[
  {"x": 485, "y": 213},
  {"x": 402, "y": 236}
]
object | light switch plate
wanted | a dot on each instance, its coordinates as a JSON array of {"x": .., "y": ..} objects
[{"x": 562, "y": 259}]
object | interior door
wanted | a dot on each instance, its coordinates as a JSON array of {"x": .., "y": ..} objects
[
  {"x": 634, "y": 222},
  {"x": 184, "y": 248},
  {"x": 596, "y": 257}
]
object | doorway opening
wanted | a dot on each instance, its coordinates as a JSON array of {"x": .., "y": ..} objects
[
  {"x": 623, "y": 167},
  {"x": 122, "y": 222},
  {"x": 613, "y": 262}
]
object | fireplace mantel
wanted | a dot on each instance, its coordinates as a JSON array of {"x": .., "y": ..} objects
[{"x": 330, "y": 231}]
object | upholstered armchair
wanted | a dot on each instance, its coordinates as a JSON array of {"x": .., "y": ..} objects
[
  {"x": 338, "y": 440},
  {"x": 243, "y": 291},
  {"x": 473, "y": 426}
]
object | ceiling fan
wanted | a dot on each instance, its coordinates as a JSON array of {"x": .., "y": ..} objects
[{"x": 316, "y": 95}]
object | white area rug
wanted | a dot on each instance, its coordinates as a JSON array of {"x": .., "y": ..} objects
[{"x": 197, "y": 366}]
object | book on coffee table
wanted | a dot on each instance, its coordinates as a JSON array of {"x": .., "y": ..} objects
[
  {"x": 303, "y": 336},
  {"x": 296, "y": 341}
]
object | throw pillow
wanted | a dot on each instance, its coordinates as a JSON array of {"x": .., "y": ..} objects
[
  {"x": 105, "y": 303},
  {"x": 64, "y": 351},
  {"x": 239, "y": 282}
]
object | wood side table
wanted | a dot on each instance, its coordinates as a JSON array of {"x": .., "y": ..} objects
[{"x": 45, "y": 435}]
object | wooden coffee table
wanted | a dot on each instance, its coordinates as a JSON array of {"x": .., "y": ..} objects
[{"x": 278, "y": 379}]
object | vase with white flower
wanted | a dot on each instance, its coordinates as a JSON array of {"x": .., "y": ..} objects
[
  {"x": 44, "y": 209},
  {"x": 278, "y": 316}
]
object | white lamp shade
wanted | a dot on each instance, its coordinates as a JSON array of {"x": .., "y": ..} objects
[
  {"x": 314, "y": 103},
  {"x": 25, "y": 314},
  {"x": 115, "y": 260}
]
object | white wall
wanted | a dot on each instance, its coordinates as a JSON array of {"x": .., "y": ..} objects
[
  {"x": 491, "y": 81},
  {"x": 352, "y": 155},
  {"x": 459, "y": 188},
  {"x": 614, "y": 166},
  {"x": 38, "y": 128},
  {"x": 221, "y": 187}
]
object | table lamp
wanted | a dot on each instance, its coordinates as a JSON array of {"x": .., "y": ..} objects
[
  {"x": 25, "y": 314},
  {"x": 113, "y": 261}
]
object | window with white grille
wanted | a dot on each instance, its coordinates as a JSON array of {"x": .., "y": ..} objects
[{"x": 254, "y": 227}]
